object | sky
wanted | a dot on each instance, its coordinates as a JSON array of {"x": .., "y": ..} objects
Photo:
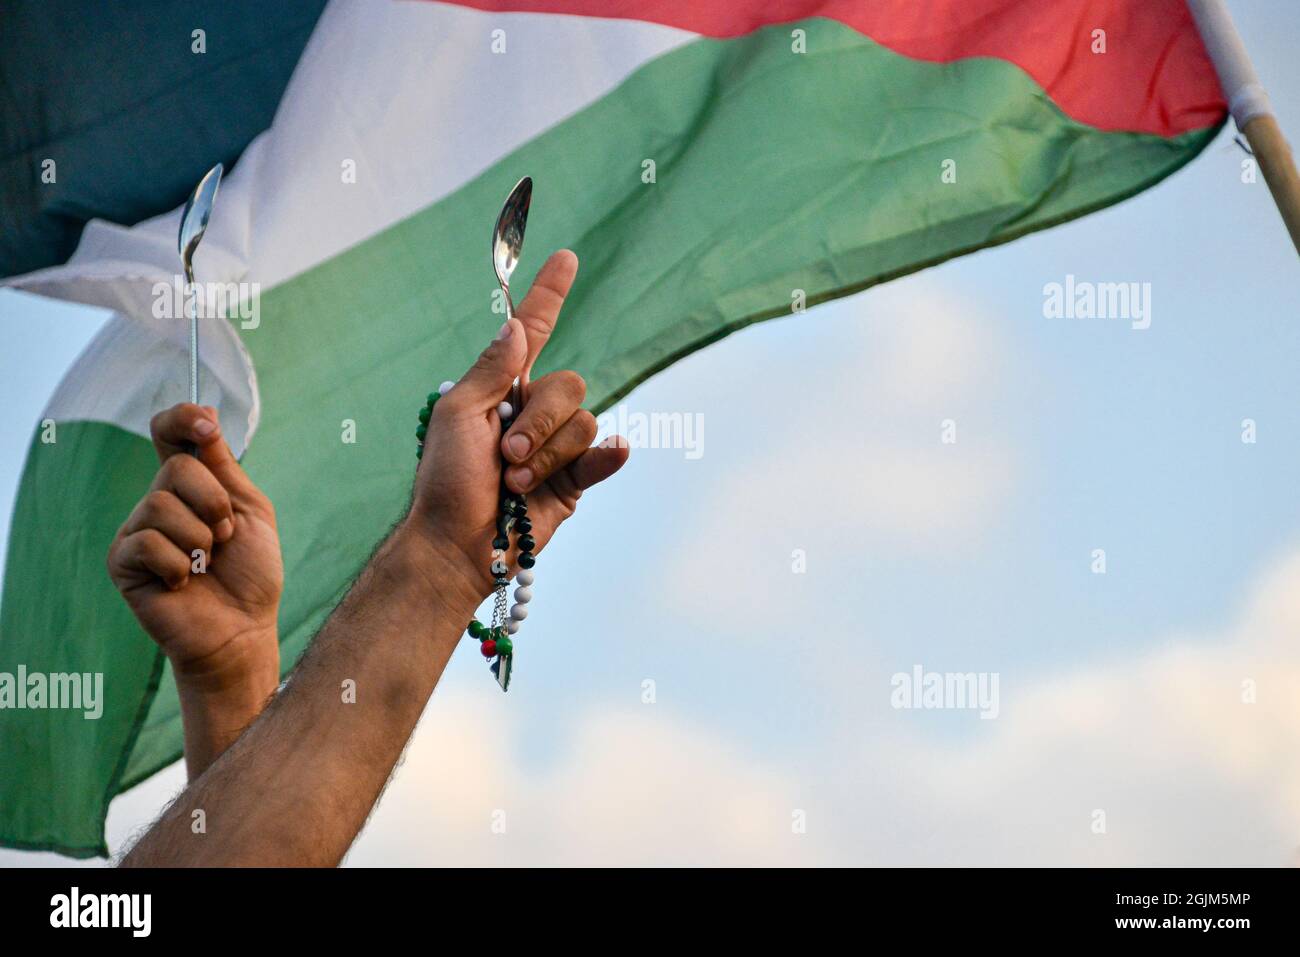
[{"x": 710, "y": 671}]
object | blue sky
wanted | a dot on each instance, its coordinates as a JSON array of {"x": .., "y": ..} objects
[{"x": 822, "y": 434}]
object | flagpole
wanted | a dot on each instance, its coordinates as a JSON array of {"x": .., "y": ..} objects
[{"x": 1250, "y": 108}]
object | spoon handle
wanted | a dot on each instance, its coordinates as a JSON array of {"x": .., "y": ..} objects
[
  {"x": 518, "y": 391},
  {"x": 192, "y": 310}
]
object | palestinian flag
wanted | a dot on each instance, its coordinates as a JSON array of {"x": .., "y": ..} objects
[{"x": 710, "y": 164}]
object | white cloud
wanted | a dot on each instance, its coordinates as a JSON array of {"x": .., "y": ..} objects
[
  {"x": 852, "y": 460},
  {"x": 1186, "y": 773},
  {"x": 630, "y": 787}
]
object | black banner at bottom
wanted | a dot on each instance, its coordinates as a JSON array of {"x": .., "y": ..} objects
[{"x": 243, "y": 907}]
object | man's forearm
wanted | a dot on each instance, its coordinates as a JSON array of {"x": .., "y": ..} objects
[
  {"x": 218, "y": 705},
  {"x": 213, "y": 721},
  {"x": 297, "y": 786}
]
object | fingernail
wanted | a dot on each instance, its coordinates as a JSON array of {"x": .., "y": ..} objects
[
  {"x": 523, "y": 477},
  {"x": 225, "y": 528},
  {"x": 518, "y": 445},
  {"x": 204, "y": 427},
  {"x": 505, "y": 331}
]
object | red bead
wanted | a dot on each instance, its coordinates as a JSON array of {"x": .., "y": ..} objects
[{"x": 489, "y": 648}]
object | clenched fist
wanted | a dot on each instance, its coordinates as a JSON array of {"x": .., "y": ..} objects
[{"x": 198, "y": 561}]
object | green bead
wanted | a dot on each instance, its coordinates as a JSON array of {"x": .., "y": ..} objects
[
  {"x": 421, "y": 431},
  {"x": 419, "y": 451},
  {"x": 433, "y": 397},
  {"x": 476, "y": 628},
  {"x": 425, "y": 413},
  {"x": 505, "y": 646}
]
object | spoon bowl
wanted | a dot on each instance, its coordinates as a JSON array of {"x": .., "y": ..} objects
[
  {"x": 507, "y": 244},
  {"x": 508, "y": 236}
]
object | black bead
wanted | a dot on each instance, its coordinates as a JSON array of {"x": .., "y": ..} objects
[
  {"x": 526, "y": 543},
  {"x": 524, "y": 525},
  {"x": 501, "y": 542},
  {"x": 526, "y": 560}
]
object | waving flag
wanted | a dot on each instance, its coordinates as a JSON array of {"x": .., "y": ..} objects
[{"x": 712, "y": 165}]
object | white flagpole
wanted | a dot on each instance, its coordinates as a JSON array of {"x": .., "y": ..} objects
[{"x": 1250, "y": 108}]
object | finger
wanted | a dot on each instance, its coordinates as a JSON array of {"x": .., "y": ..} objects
[
  {"x": 193, "y": 483},
  {"x": 592, "y": 466},
  {"x": 569, "y": 441},
  {"x": 489, "y": 380},
  {"x": 165, "y": 512},
  {"x": 552, "y": 400},
  {"x": 177, "y": 429},
  {"x": 148, "y": 553},
  {"x": 541, "y": 307},
  {"x": 183, "y": 427},
  {"x": 599, "y": 463}
]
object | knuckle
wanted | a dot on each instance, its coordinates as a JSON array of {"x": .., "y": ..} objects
[
  {"x": 573, "y": 385},
  {"x": 150, "y": 541},
  {"x": 176, "y": 468},
  {"x": 157, "y": 503},
  {"x": 203, "y": 539},
  {"x": 540, "y": 425},
  {"x": 587, "y": 426},
  {"x": 543, "y": 463},
  {"x": 263, "y": 502},
  {"x": 171, "y": 419}
]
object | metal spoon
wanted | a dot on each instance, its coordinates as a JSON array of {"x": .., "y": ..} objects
[
  {"x": 507, "y": 244},
  {"x": 194, "y": 223}
]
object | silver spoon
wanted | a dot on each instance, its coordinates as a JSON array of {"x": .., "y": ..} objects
[
  {"x": 194, "y": 223},
  {"x": 507, "y": 244}
]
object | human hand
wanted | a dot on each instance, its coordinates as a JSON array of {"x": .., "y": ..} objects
[
  {"x": 218, "y": 627},
  {"x": 547, "y": 448}
]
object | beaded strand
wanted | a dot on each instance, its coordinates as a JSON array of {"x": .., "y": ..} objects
[{"x": 495, "y": 639}]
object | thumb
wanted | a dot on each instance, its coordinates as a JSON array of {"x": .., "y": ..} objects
[
  {"x": 489, "y": 380},
  {"x": 215, "y": 453}
]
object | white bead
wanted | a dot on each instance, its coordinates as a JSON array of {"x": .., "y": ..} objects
[
  {"x": 525, "y": 576},
  {"x": 498, "y": 553},
  {"x": 498, "y": 567},
  {"x": 512, "y": 626},
  {"x": 518, "y": 612},
  {"x": 523, "y": 595},
  {"x": 506, "y": 411},
  {"x": 446, "y": 387}
]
